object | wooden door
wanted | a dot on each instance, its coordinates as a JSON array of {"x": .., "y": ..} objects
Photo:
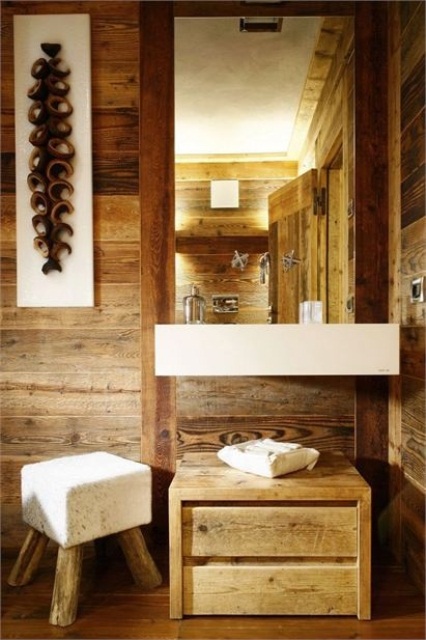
[{"x": 297, "y": 248}]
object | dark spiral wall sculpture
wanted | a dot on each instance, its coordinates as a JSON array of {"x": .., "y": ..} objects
[{"x": 50, "y": 161}]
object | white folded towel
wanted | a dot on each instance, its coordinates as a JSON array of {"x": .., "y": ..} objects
[{"x": 269, "y": 458}]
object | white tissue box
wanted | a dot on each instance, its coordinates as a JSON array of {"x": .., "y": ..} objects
[{"x": 269, "y": 458}]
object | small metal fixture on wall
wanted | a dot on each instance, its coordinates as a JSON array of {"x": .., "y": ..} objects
[
  {"x": 264, "y": 267},
  {"x": 289, "y": 260},
  {"x": 239, "y": 260},
  {"x": 225, "y": 304}
]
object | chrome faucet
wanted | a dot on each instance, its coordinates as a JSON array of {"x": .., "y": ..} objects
[{"x": 264, "y": 265}]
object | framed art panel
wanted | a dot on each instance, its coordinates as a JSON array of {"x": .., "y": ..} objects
[{"x": 53, "y": 133}]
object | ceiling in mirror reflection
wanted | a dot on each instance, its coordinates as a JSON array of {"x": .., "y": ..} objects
[{"x": 236, "y": 92}]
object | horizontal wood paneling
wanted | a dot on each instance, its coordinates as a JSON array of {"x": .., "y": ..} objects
[
  {"x": 327, "y": 414},
  {"x": 42, "y": 350},
  {"x": 116, "y": 174},
  {"x": 117, "y": 262},
  {"x": 117, "y": 127},
  {"x": 183, "y": 8},
  {"x": 116, "y": 219},
  {"x": 8, "y": 172},
  {"x": 413, "y": 430},
  {"x": 116, "y": 308},
  {"x": 221, "y": 244},
  {"x": 71, "y": 378},
  {"x": 258, "y": 170},
  {"x": 413, "y": 258},
  {"x": 313, "y": 411},
  {"x": 215, "y": 275},
  {"x": 413, "y": 515},
  {"x": 265, "y": 396},
  {"x": 413, "y": 152},
  {"x": 413, "y": 352},
  {"x": 206, "y": 239},
  {"x": 214, "y": 432}
]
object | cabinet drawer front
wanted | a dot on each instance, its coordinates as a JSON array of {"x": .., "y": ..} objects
[
  {"x": 270, "y": 590},
  {"x": 270, "y": 531}
]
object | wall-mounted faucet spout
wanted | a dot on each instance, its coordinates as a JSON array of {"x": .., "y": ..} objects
[{"x": 264, "y": 265}]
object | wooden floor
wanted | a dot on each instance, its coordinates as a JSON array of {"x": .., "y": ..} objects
[{"x": 111, "y": 607}]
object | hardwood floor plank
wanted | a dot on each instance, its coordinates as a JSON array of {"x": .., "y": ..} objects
[{"x": 112, "y": 607}]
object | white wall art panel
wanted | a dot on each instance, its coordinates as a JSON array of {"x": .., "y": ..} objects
[{"x": 54, "y": 222}]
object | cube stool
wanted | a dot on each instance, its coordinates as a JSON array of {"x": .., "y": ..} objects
[{"x": 77, "y": 499}]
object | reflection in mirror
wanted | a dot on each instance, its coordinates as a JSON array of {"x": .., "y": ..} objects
[{"x": 264, "y": 108}]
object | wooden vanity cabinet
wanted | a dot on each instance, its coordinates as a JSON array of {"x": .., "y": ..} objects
[{"x": 241, "y": 544}]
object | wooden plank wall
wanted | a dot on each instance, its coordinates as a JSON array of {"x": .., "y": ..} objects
[
  {"x": 212, "y": 412},
  {"x": 71, "y": 378},
  {"x": 207, "y": 238},
  {"x": 372, "y": 239},
  {"x": 413, "y": 264},
  {"x": 157, "y": 214}
]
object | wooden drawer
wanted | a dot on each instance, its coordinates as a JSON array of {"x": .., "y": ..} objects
[
  {"x": 279, "y": 531},
  {"x": 270, "y": 589},
  {"x": 241, "y": 544}
]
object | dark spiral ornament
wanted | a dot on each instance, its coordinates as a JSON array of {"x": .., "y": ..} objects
[{"x": 50, "y": 161}]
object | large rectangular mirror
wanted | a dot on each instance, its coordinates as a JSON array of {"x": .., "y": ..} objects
[{"x": 267, "y": 102}]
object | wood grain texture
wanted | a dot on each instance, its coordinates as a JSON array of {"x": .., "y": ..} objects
[
  {"x": 157, "y": 240},
  {"x": 225, "y": 590},
  {"x": 183, "y": 8},
  {"x": 413, "y": 532},
  {"x": 412, "y": 486},
  {"x": 28, "y": 559},
  {"x": 66, "y": 588},
  {"x": 413, "y": 439},
  {"x": 202, "y": 246},
  {"x": 231, "y": 396},
  {"x": 111, "y": 606},
  {"x": 298, "y": 531},
  {"x": 116, "y": 36},
  {"x": 371, "y": 238},
  {"x": 260, "y": 540},
  {"x": 211, "y": 434},
  {"x": 139, "y": 560}
]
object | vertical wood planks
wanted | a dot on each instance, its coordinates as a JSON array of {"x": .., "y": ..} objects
[{"x": 157, "y": 238}]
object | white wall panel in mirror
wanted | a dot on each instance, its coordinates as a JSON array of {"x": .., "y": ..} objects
[{"x": 291, "y": 349}]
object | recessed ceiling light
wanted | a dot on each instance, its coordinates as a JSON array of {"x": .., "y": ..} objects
[{"x": 261, "y": 25}]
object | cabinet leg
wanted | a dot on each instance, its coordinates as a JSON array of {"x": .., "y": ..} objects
[
  {"x": 29, "y": 558},
  {"x": 138, "y": 558}
]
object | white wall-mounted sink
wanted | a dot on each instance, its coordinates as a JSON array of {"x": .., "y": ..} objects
[{"x": 276, "y": 349}]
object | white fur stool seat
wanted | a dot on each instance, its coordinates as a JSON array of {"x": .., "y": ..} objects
[{"x": 77, "y": 499}]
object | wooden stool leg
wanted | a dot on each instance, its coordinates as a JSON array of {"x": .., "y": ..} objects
[
  {"x": 138, "y": 558},
  {"x": 29, "y": 558},
  {"x": 67, "y": 586}
]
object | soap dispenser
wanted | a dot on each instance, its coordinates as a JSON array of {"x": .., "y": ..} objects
[{"x": 194, "y": 307}]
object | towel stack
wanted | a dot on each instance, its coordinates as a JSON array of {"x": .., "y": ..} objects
[{"x": 269, "y": 458}]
